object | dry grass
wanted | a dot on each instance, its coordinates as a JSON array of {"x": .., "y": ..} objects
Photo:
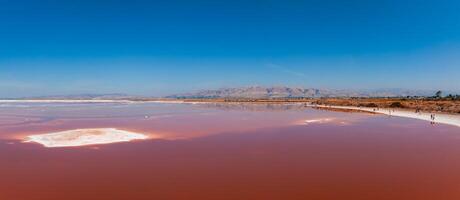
[{"x": 428, "y": 105}]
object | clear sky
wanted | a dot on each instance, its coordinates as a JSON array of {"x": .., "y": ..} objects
[{"x": 163, "y": 47}]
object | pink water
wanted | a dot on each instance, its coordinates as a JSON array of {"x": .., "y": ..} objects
[{"x": 227, "y": 152}]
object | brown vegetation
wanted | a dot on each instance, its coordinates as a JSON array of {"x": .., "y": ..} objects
[{"x": 427, "y": 104}]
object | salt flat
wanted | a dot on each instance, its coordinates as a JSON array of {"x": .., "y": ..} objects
[{"x": 81, "y": 137}]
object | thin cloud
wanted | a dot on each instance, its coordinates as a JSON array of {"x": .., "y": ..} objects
[{"x": 286, "y": 70}]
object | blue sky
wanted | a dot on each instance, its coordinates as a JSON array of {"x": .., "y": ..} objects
[{"x": 157, "y": 48}]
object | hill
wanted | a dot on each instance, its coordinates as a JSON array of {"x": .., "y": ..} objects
[{"x": 258, "y": 92}]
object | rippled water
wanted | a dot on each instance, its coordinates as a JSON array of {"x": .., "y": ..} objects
[{"x": 227, "y": 151}]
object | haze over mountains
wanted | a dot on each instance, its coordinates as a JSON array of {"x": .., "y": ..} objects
[
  {"x": 255, "y": 92},
  {"x": 111, "y": 96},
  {"x": 299, "y": 92}
]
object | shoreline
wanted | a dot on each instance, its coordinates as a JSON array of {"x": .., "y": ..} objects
[
  {"x": 65, "y": 101},
  {"x": 441, "y": 118}
]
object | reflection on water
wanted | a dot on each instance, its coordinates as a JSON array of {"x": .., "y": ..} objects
[
  {"x": 168, "y": 121},
  {"x": 255, "y": 106},
  {"x": 227, "y": 151}
]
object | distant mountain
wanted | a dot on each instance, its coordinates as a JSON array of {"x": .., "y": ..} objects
[
  {"x": 254, "y": 92},
  {"x": 298, "y": 92},
  {"x": 113, "y": 96}
]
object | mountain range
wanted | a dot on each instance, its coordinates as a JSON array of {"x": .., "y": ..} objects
[
  {"x": 298, "y": 92},
  {"x": 254, "y": 92}
]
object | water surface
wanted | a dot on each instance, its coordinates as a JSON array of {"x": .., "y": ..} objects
[{"x": 227, "y": 151}]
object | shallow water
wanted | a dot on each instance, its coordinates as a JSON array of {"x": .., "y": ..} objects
[{"x": 227, "y": 151}]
